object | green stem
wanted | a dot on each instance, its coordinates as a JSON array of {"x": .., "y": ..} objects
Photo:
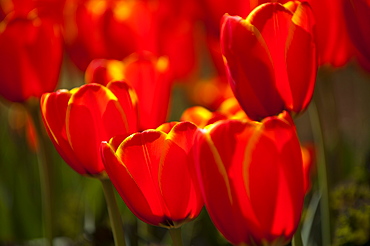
[
  {"x": 113, "y": 211},
  {"x": 297, "y": 238},
  {"x": 45, "y": 170},
  {"x": 321, "y": 173},
  {"x": 176, "y": 236}
]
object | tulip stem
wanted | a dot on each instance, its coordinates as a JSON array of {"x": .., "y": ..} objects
[
  {"x": 175, "y": 234},
  {"x": 44, "y": 162},
  {"x": 113, "y": 211},
  {"x": 297, "y": 238},
  {"x": 321, "y": 173}
]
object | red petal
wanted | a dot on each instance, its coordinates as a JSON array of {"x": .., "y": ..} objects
[
  {"x": 301, "y": 68},
  {"x": 221, "y": 152},
  {"x": 177, "y": 174},
  {"x": 128, "y": 187},
  {"x": 273, "y": 21},
  {"x": 94, "y": 115},
  {"x": 250, "y": 68},
  {"x": 149, "y": 77},
  {"x": 141, "y": 154},
  {"x": 128, "y": 100},
  {"x": 54, "y": 110},
  {"x": 278, "y": 202}
]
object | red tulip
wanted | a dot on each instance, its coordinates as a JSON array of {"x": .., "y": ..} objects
[
  {"x": 251, "y": 177},
  {"x": 153, "y": 173},
  {"x": 30, "y": 56},
  {"x": 358, "y": 25},
  {"x": 270, "y": 58},
  {"x": 148, "y": 75},
  {"x": 78, "y": 121}
]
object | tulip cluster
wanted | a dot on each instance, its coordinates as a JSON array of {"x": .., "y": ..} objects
[{"x": 243, "y": 162}]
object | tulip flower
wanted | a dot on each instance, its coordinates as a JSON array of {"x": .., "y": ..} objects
[
  {"x": 153, "y": 173},
  {"x": 30, "y": 56},
  {"x": 270, "y": 58},
  {"x": 77, "y": 121},
  {"x": 252, "y": 179},
  {"x": 356, "y": 14},
  {"x": 147, "y": 74}
]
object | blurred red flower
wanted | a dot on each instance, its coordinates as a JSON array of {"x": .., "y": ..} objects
[
  {"x": 77, "y": 121},
  {"x": 270, "y": 58},
  {"x": 153, "y": 171},
  {"x": 148, "y": 75},
  {"x": 333, "y": 43},
  {"x": 30, "y": 54},
  {"x": 252, "y": 179},
  {"x": 229, "y": 109},
  {"x": 358, "y": 24},
  {"x": 201, "y": 116},
  {"x": 97, "y": 29}
]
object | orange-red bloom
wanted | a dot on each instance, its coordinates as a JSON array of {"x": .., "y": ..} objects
[
  {"x": 252, "y": 179},
  {"x": 270, "y": 58},
  {"x": 150, "y": 78},
  {"x": 30, "y": 55},
  {"x": 78, "y": 121},
  {"x": 153, "y": 173}
]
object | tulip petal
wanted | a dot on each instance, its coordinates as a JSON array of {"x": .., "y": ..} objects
[
  {"x": 262, "y": 180},
  {"x": 93, "y": 115},
  {"x": 149, "y": 76},
  {"x": 301, "y": 68},
  {"x": 178, "y": 180},
  {"x": 126, "y": 185},
  {"x": 141, "y": 155},
  {"x": 54, "y": 108},
  {"x": 273, "y": 21},
  {"x": 282, "y": 167},
  {"x": 249, "y": 68},
  {"x": 128, "y": 100},
  {"x": 222, "y": 185}
]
